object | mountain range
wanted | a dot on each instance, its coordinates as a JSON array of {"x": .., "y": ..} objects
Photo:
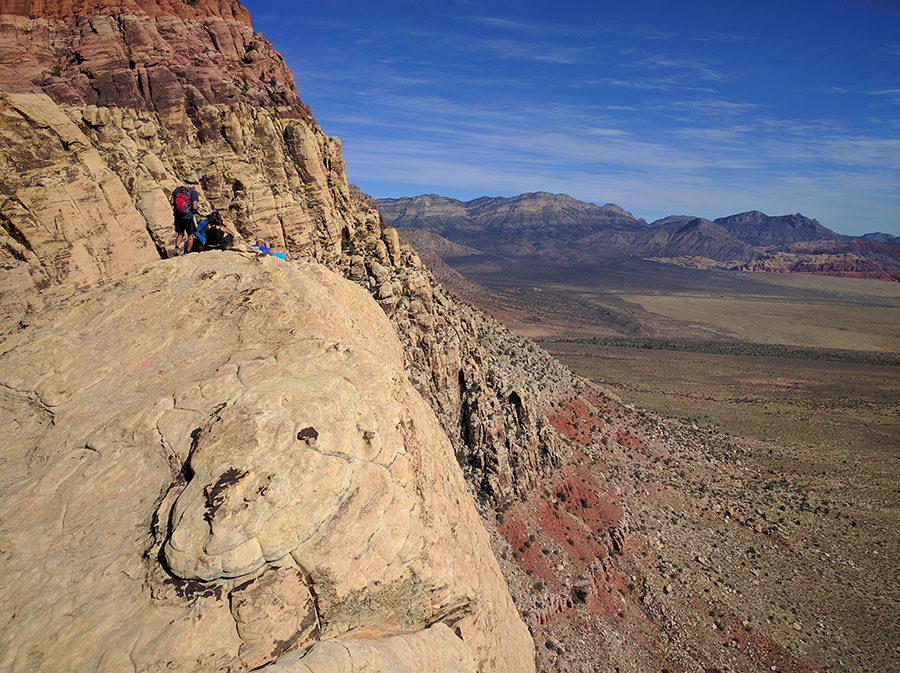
[{"x": 560, "y": 227}]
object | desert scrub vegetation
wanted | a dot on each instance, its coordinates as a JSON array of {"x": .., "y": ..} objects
[{"x": 743, "y": 349}]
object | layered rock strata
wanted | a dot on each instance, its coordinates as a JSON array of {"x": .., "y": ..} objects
[
  {"x": 106, "y": 107},
  {"x": 217, "y": 462}
]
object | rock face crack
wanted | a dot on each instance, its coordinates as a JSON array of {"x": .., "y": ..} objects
[
  {"x": 14, "y": 232},
  {"x": 33, "y": 398}
]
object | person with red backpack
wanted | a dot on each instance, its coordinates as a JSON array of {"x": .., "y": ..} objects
[{"x": 185, "y": 202}]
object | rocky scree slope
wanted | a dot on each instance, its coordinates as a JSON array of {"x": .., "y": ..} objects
[{"x": 260, "y": 498}]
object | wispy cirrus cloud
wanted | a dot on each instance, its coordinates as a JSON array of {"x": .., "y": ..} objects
[
  {"x": 672, "y": 32},
  {"x": 867, "y": 92},
  {"x": 526, "y": 50},
  {"x": 710, "y": 106},
  {"x": 891, "y": 94},
  {"x": 652, "y": 33},
  {"x": 506, "y": 24},
  {"x": 685, "y": 65},
  {"x": 629, "y": 83},
  {"x": 730, "y": 134},
  {"x": 576, "y": 137},
  {"x": 499, "y": 46},
  {"x": 848, "y": 151},
  {"x": 648, "y": 84},
  {"x": 716, "y": 36},
  {"x": 541, "y": 28},
  {"x": 888, "y": 51}
]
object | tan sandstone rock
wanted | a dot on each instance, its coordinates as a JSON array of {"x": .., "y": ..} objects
[
  {"x": 219, "y": 460},
  {"x": 69, "y": 223},
  {"x": 434, "y": 649},
  {"x": 105, "y": 107}
]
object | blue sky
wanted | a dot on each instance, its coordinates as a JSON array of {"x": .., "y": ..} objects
[{"x": 694, "y": 108}]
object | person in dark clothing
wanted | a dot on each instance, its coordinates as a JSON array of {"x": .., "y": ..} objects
[
  {"x": 217, "y": 234},
  {"x": 185, "y": 203}
]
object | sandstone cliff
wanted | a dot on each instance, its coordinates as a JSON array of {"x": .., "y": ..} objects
[
  {"x": 105, "y": 107},
  {"x": 219, "y": 461}
]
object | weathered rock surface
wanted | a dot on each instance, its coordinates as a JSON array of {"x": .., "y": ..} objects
[
  {"x": 66, "y": 220},
  {"x": 848, "y": 265},
  {"x": 153, "y": 55},
  {"x": 434, "y": 649},
  {"x": 219, "y": 460}
]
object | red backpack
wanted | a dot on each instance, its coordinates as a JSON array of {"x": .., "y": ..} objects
[{"x": 182, "y": 202}]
